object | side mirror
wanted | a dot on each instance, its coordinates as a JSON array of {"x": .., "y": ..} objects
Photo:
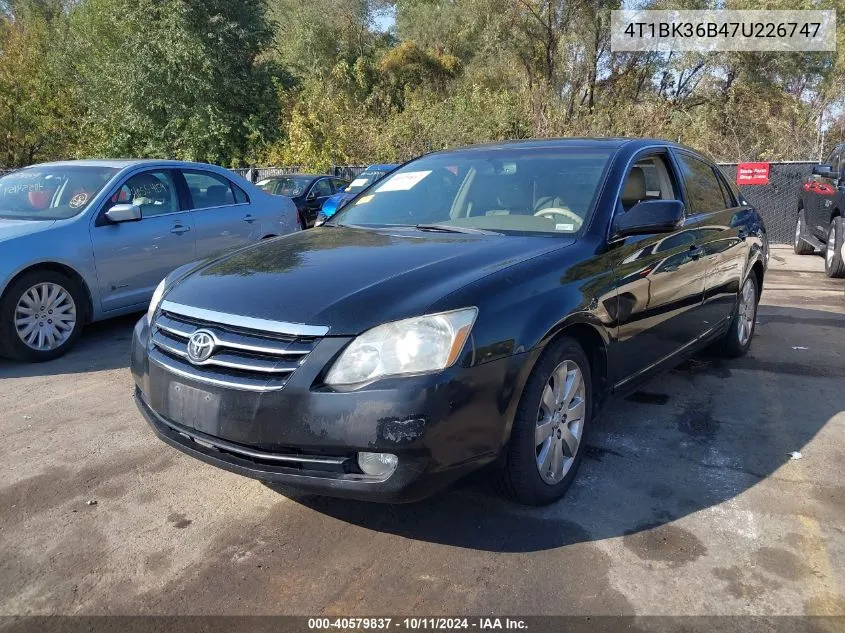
[
  {"x": 651, "y": 216},
  {"x": 124, "y": 213},
  {"x": 312, "y": 195}
]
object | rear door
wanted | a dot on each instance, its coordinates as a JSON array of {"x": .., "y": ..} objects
[
  {"x": 133, "y": 257},
  {"x": 222, "y": 214},
  {"x": 659, "y": 277},
  {"x": 718, "y": 221}
]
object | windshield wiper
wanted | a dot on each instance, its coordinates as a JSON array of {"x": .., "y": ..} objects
[{"x": 449, "y": 228}]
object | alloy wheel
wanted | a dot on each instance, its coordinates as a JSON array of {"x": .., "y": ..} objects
[
  {"x": 560, "y": 422},
  {"x": 747, "y": 311},
  {"x": 45, "y": 316},
  {"x": 831, "y": 246}
]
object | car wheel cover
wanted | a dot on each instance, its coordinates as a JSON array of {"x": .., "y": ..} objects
[
  {"x": 45, "y": 317},
  {"x": 747, "y": 311},
  {"x": 560, "y": 422}
]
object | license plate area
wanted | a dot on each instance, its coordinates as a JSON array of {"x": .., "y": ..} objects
[{"x": 194, "y": 408}]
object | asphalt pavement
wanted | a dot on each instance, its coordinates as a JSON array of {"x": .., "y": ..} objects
[{"x": 718, "y": 489}]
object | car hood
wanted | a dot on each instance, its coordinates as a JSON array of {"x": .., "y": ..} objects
[
  {"x": 351, "y": 279},
  {"x": 15, "y": 228}
]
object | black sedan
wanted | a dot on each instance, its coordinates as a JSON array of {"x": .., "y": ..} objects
[
  {"x": 478, "y": 306},
  {"x": 308, "y": 192}
]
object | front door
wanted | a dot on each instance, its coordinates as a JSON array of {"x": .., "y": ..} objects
[
  {"x": 319, "y": 193},
  {"x": 659, "y": 279},
  {"x": 133, "y": 257}
]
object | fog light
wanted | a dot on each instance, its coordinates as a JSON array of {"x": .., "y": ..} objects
[{"x": 377, "y": 464}]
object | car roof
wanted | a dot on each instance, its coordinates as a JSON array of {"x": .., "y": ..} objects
[
  {"x": 121, "y": 163},
  {"x": 382, "y": 166},
  {"x": 299, "y": 176},
  {"x": 538, "y": 143}
]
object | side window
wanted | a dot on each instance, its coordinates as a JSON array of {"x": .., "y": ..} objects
[
  {"x": 208, "y": 189},
  {"x": 837, "y": 160},
  {"x": 649, "y": 179},
  {"x": 240, "y": 195},
  {"x": 833, "y": 159},
  {"x": 322, "y": 188},
  {"x": 704, "y": 192},
  {"x": 727, "y": 194},
  {"x": 154, "y": 192}
]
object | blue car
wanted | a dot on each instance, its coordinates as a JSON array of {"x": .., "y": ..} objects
[
  {"x": 371, "y": 174},
  {"x": 82, "y": 241}
]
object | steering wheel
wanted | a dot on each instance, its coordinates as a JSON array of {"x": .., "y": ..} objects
[{"x": 551, "y": 212}]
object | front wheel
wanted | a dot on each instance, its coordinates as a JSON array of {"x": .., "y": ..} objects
[
  {"x": 800, "y": 245},
  {"x": 737, "y": 341},
  {"x": 41, "y": 315},
  {"x": 549, "y": 428},
  {"x": 834, "y": 266}
]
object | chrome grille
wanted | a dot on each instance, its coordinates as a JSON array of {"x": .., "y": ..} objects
[{"x": 241, "y": 358}]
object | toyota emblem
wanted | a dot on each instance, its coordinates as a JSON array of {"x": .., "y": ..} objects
[{"x": 200, "y": 346}]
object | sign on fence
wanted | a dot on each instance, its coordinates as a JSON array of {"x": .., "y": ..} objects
[{"x": 752, "y": 174}]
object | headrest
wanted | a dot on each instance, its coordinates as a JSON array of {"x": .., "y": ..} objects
[
  {"x": 216, "y": 193},
  {"x": 634, "y": 190}
]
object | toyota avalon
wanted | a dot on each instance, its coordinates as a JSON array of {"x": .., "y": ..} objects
[{"x": 476, "y": 307}]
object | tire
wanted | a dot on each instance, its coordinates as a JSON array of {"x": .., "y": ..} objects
[
  {"x": 69, "y": 303},
  {"x": 520, "y": 478},
  {"x": 833, "y": 264},
  {"x": 737, "y": 341},
  {"x": 800, "y": 245}
]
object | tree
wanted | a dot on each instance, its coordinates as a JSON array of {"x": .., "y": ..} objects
[
  {"x": 37, "y": 106},
  {"x": 181, "y": 79}
]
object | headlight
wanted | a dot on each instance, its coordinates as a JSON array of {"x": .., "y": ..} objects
[
  {"x": 411, "y": 346},
  {"x": 157, "y": 296}
]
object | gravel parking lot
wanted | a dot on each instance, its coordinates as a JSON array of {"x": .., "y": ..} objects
[{"x": 688, "y": 501}]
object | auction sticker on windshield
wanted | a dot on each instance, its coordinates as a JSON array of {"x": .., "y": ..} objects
[
  {"x": 403, "y": 182},
  {"x": 359, "y": 182}
]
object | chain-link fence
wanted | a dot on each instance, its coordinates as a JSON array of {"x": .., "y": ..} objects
[
  {"x": 259, "y": 173},
  {"x": 777, "y": 201}
]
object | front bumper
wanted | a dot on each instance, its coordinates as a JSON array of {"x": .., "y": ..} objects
[{"x": 306, "y": 436}]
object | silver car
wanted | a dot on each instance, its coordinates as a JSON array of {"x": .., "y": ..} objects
[{"x": 82, "y": 241}]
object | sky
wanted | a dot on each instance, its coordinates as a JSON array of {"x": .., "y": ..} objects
[{"x": 386, "y": 19}]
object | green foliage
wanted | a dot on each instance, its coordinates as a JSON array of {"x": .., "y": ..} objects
[
  {"x": 178, "y": 79},
  {"x": 37, "y": 106},
  {"x": 315, "y": 83}
]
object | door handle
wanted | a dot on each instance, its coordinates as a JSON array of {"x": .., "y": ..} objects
[
  {"x": 249, "y": 218},
  {"x": 695, "y": 252},
  {"x": 179, "y": 229}
]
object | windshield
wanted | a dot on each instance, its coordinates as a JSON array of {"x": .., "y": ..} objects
[
  {"x": 290, "y": 186},
  {"x": 364, "y": 179},
  {"x": 51, "y": 193},
  {"x": 535, "y": 190}
]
